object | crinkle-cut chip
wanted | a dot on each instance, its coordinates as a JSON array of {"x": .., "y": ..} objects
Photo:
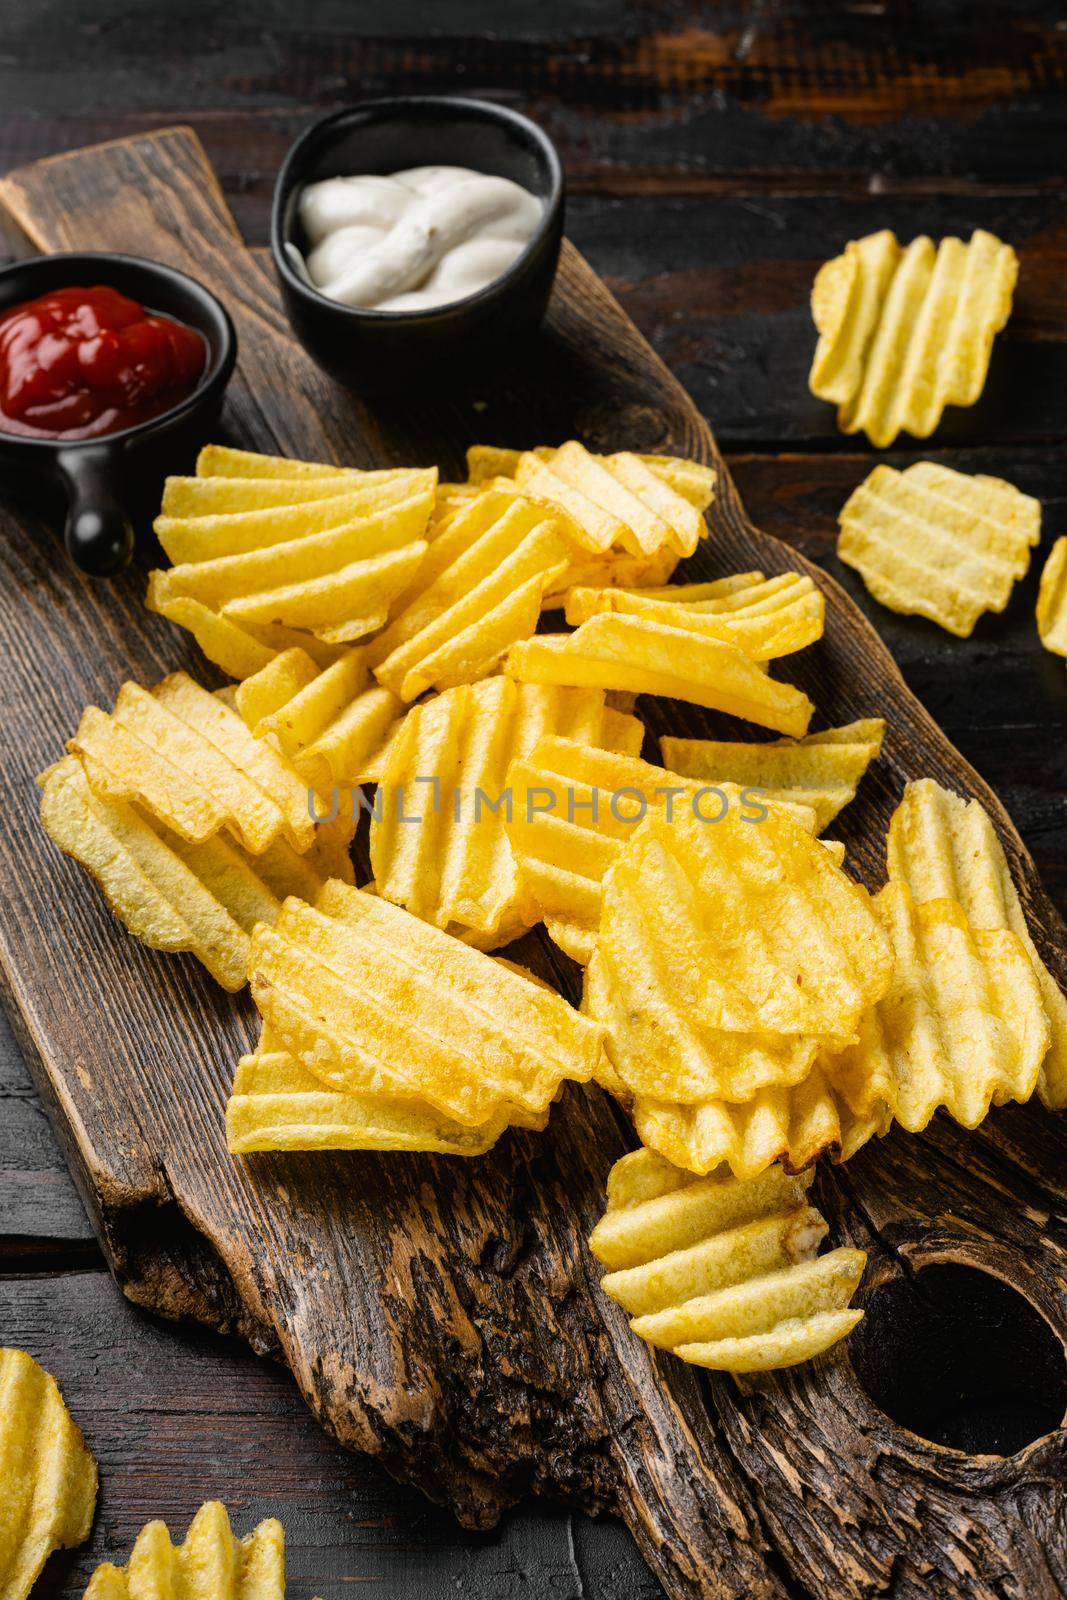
[
  {"x": 48, "y": 1478},
  {"x": 724, "y": 1272},
  {"x": 943, "y": 847},
  {"x": 474, "y": 595},
  {"x": 714, "y": 594},
  {"x": 961, "y": 1026},
  {"x": 572, "y": 808},
  {"x": 618, "y": 652},
  {"x": 932, "y": 542},
  {"x": 223, "y": 461},
  {"x": 612, "y": 569},
  {"x": 1052, "y": 600},
  {"x": 334, "y": 724},
  {"x": 211, "y": 1565},
  {"x": 690, "y": 479},
  {"x": 725, "y": 953},
  {"x": 188, "y": 759},
  {"x": 771, "y": 619},
  {"x": 371, "y": 999},
  {"x": 239, "y": 650},
  {"x": 612, "y": 500},
  {"x": 794, "y": 1126},
  {"x": 903, "y": 333},
  {"x": 822, "y": 770},
  {"x": 276, "y": 1104},
  {"x": 175, "y": 896},
  {"x": 438, "y": 837},
  {"x": 223, "y": 495}
]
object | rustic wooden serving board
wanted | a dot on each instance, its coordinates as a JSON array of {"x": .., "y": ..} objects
[{"x": 443, "y": 1315}]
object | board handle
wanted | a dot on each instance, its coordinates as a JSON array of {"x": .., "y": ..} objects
[{"x": 99, "y": 534}]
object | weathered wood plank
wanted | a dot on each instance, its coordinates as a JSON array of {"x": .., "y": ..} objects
[{"x": 446, "y": 1318}]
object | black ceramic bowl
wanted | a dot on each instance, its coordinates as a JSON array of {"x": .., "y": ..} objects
[
  {"x": 94, "y": 473},
  {"x": 383, "y": 348}
]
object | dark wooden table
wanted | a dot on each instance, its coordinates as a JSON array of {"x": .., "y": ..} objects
[{"x": 715, "y": 155}]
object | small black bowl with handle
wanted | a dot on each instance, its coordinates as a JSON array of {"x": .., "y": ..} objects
[
  {"x": 384, "y": 349},
  {"x": 94, "y": 473}
]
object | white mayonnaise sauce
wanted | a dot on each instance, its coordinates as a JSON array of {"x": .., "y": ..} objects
[{"x": 420, "y": 238}]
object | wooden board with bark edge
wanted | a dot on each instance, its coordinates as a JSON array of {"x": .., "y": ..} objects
[{"x": 442, "y": 1315}]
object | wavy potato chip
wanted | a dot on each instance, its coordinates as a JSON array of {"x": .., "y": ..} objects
[
  {"x": 238, "y": 651},
  {"x": 223, "y": 461},
  {"x": 186, "y": 756},
  {"x": 633, "y": 653},
  {"x": 724, "y": 1272},
  {"x": 175, "y": 896},
  {"x": 942, "y": 847},
  {"x": 905, "y": 332},
  {"x": 1052, "y": 600},
  {"x": 822, "y": 770},
  {"x": 690, "y": 479},
  {"x": 223, "y": 495},
  {"x": 613, "y": 500},
  {"x": 479, "y": 589},
  {"x": 439, "y": 842},
  {"x": 962, "y": 1024},
  {"x": 276, "y": 1104},
  {"x": 211, "y": 1564},
  {"x": 769, "y": 619},
  {"x": 612, "y": 569},
  {"x": 372, "y": 1000},
  {"x": 931, "y": 542},
  {"x": 48, "y": 1478},
  {"x": 333, "y": 723}
]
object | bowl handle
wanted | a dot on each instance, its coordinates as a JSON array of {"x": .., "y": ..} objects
[{"x": 99, "y": 534}]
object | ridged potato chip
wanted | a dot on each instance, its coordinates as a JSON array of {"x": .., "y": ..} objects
[
  {"x": 612, "y": 569},
  {"x": 276, "y": 1104},
  {"x": 211, "y": 1565},
  {"x": 186, "y": 757},
  {"x": 961, "y": 1026},
  {"x": 1052, "y": 600},
  {"x": 766, "y": 620},
  {"x": 822, "y": 770},
  {"x": 238, "y": 651},
  {"x": 633, "y": 653},
  {"x": 373, "y": 1000},
  {"x": 905, "y": 332},
  {"x": 943, "y": 847},
  {"x": 479, "y": 589},
  {"x": 572, "y": 809},
  {"x": 795, "y": 1126},
  {"x": 438, "y": 836},
  {"x": 48, "y": 1478},
  {"x": 727, "y": 953},
  {"x": 691, "y": 479},
  {"x": 333, "y": 723},
  {"x": 931, "y": 542},
  {"x": 725, "y": 1273},
  {"x": 614, "y": 500},
  {"x": 202, "y": 898}
]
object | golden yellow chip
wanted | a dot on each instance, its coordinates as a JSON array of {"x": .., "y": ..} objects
[
  {"x": 931, "y": 542},
  {"x": 726, "y": 1273},
  {"x": 175, "y": 896},
  {"x": 333, "y": 724},
  {"x": 239, "y": 651},
  {"x": 794, "y": 1126},
  {"x": 1052, "y": 600},
  {"x": 438, "y": 837},
  {"x": 822, "y": 770},
  {"x": 477, "y": 591},
  {"x": 222, "y": 461},
  {"x": 690, "y": 479},
  {"x": 372, "y": 1000},
  {"x": 633, "y": 653},
  {"x": 727, "y": 951},
  {"x": 961, "y": 1026},
  {"x": 572, "y": 809},
  {"x": 903, "y": 333},
  {"x": 211, "y": 1565},
  {"x": 276, "y": 1104},
  {"x": 48, "y": 1478},
  {"x": 945, "y": 848},
  {"x": 612, "y": 500},
  {"x": 185, "y": 756},
  {"x": 769, "y": 619},
  {"x": 612, "y": 569},
  {"x": 226, "y": 494}
]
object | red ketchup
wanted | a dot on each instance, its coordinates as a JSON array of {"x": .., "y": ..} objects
[{"x": 78, "y": 363}]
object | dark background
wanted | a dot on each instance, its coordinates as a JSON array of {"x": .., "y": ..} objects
[{"x": 715, "y": 156}]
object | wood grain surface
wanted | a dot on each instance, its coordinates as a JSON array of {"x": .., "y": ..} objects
[{"x": 447, "y": 1320}]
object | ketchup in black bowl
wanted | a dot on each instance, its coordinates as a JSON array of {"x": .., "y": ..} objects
[{"x": 82, "y": 363}]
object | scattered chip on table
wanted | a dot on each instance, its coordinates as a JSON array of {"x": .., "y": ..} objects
[
  {"x": 932, "y": 542},
  {"x": 212, "y": 1564},
  {"x": 906, "y": 331},
  {"x": 1052, "y": 600}
]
